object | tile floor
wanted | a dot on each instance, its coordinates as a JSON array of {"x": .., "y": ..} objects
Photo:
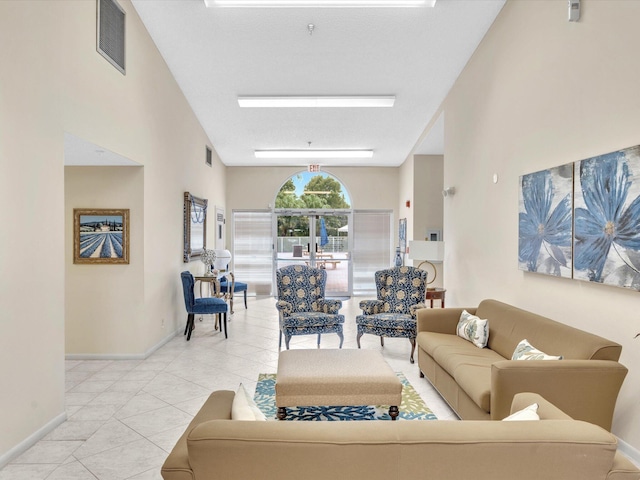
[{"x": 124, "y": 416}]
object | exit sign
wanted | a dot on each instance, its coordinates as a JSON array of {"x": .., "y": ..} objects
[{"x": 314, "y": 168}]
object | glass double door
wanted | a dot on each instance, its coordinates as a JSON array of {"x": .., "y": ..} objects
[{"x": 317, "y": 239}]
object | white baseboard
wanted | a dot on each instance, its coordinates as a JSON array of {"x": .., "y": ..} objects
[
  {"x": 121, "y": 356},
  {"x": 23, "y": 446},
  {"x": 629, "y": 452},
  {"x": 31, "y": 440}
]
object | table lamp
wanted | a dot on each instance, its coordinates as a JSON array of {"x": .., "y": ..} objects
[
  {"x": 223, "y": 258},
  {"x": 428, "y": 252}
]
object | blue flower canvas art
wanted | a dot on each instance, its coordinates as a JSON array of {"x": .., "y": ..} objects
[
  {"x": 607, "y": 219},
  {"x": 545, "y": 221}
]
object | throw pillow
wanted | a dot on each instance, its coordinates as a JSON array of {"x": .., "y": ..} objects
[
  {"x": 526, "y": 351},
  {"x": 244, "y": 408},
  {"x": 474, "y": 329},
  {"x": 527, "y": 413}
]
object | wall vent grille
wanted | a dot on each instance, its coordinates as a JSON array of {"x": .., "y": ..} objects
[
  {"x": 208, "y": 158},
  {"x": 110, "y": 42}
]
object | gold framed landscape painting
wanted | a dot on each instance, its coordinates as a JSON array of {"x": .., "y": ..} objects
[{"x": 100, "y": 236}]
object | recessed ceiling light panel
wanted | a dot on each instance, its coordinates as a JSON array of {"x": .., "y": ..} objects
[
  {"x": 313, "y": 153},
  {"x": 317, "y": 102},
  {"x": 319, "y": 3}
]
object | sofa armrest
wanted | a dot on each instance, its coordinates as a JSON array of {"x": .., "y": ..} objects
[
  {"x": 440, "y": 320},
  {"x": 284, "y": 307},
  {"x": 216, "y": 407},
  {"x": 546, "y": 409},
  {"x": 371, "y": 307},
  {"x": 583, "y": 389}
]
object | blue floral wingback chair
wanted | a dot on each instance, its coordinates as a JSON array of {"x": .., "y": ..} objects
[
  {"x": 401, "y": 292},
  {"x": 302, "y": 306}
]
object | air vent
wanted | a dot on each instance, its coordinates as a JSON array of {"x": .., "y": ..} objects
[
  {"x": 110, "y": 42},
  {"x": 208, "y": 158}
]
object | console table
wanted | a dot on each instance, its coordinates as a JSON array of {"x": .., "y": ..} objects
[
  {"x": 436, "y": 294},
  {"x": 214, "y": 286}
]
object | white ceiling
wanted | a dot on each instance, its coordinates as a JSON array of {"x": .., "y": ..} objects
[{"x": 416, "y": 54}]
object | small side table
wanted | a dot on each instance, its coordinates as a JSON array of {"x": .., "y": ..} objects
[{"x": 436, "y": 294}]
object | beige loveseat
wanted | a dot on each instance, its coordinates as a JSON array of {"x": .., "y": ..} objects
[
  {"x": 480, "y": 383},
  {"x": 557, "y": 448}
]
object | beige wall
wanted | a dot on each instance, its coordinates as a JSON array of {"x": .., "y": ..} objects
[
  {"x": 104, "y": 304},
  {"x": 32, "y": 218},
  {"x": 53, "y": 81},
  {"x": 406, "y": 192},
  {"x": 427, "y": 204},
  {"x": 252, "y": 188},
  {"x": 256, "y": 187},
  {"x": 540, "y": 92}
]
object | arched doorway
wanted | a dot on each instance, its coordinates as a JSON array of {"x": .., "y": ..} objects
[{"x": 311, "y": 226}]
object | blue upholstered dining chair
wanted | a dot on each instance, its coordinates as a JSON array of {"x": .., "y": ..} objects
[
  {"x": 201, "y": 306},
  {"x": 401, "y": 292},
  {"x": 302, "y": 306},
  {"x": 237, "y": 287}
]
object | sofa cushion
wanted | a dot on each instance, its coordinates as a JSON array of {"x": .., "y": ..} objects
[
  {"x": 401, "y": 321},
  {"x": 468, "y": 365},
  {"x": 526, "y": 351},
  {"x": 451, "y": 351},
  {"x": 474, "y": 329}
]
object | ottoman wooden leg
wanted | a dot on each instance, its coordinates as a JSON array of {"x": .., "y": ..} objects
[
  {"x": 394, "y": 412},
  {"x": 282, "y": 413}
]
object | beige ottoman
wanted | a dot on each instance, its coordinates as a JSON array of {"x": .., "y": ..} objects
[{"x": 345, "y": 377}]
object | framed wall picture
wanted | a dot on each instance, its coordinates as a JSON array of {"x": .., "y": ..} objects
[
  {"x": 402, "y": 235},
  {"x": 100, "y": 236},
  {"x": 545, "y": 221},
  {"x": 195, "y": 226},
  {"x": 606, "y": 242}
]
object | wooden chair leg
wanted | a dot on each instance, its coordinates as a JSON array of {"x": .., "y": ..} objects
[
  {"x": 341, "y": 336},
  {"x": 413, "y": 348},
  {"x": 186, "y": 328},
  {"x": 190, "y": 326},
  {"x": 318, "y": 340},
  {"x": 224, "y": 321},
  {"x": 382, "y": 341},
  {"x": 245, "y": 299},
  {"x": 358, "y": 338}
]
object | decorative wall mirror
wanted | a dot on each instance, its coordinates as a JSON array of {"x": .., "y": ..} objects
[{"x": 195, "y": 226}]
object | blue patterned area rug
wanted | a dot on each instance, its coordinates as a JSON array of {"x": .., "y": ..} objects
[{"x": 412, "y": 407}]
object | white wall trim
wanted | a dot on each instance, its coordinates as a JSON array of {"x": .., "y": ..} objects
[
  {"x": 121, "y": 356},
  {"x": 628, "y": 451},
  {"x": 31, "y": 440}
]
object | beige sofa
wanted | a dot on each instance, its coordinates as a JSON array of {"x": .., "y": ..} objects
[
  {"x": 556, "y": 448},
  {"x": 480, "y": 383}
]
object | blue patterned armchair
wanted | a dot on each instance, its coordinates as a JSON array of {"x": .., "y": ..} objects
[
  {"x": 302, "y": 306},
  {"x": 401, "y": 292}
]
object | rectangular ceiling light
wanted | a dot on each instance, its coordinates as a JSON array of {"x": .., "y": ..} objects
[
  {"x": 319, "y": 3},
  {"x": 317, "y": 102},
  {"x": 313, "y": 153}
]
